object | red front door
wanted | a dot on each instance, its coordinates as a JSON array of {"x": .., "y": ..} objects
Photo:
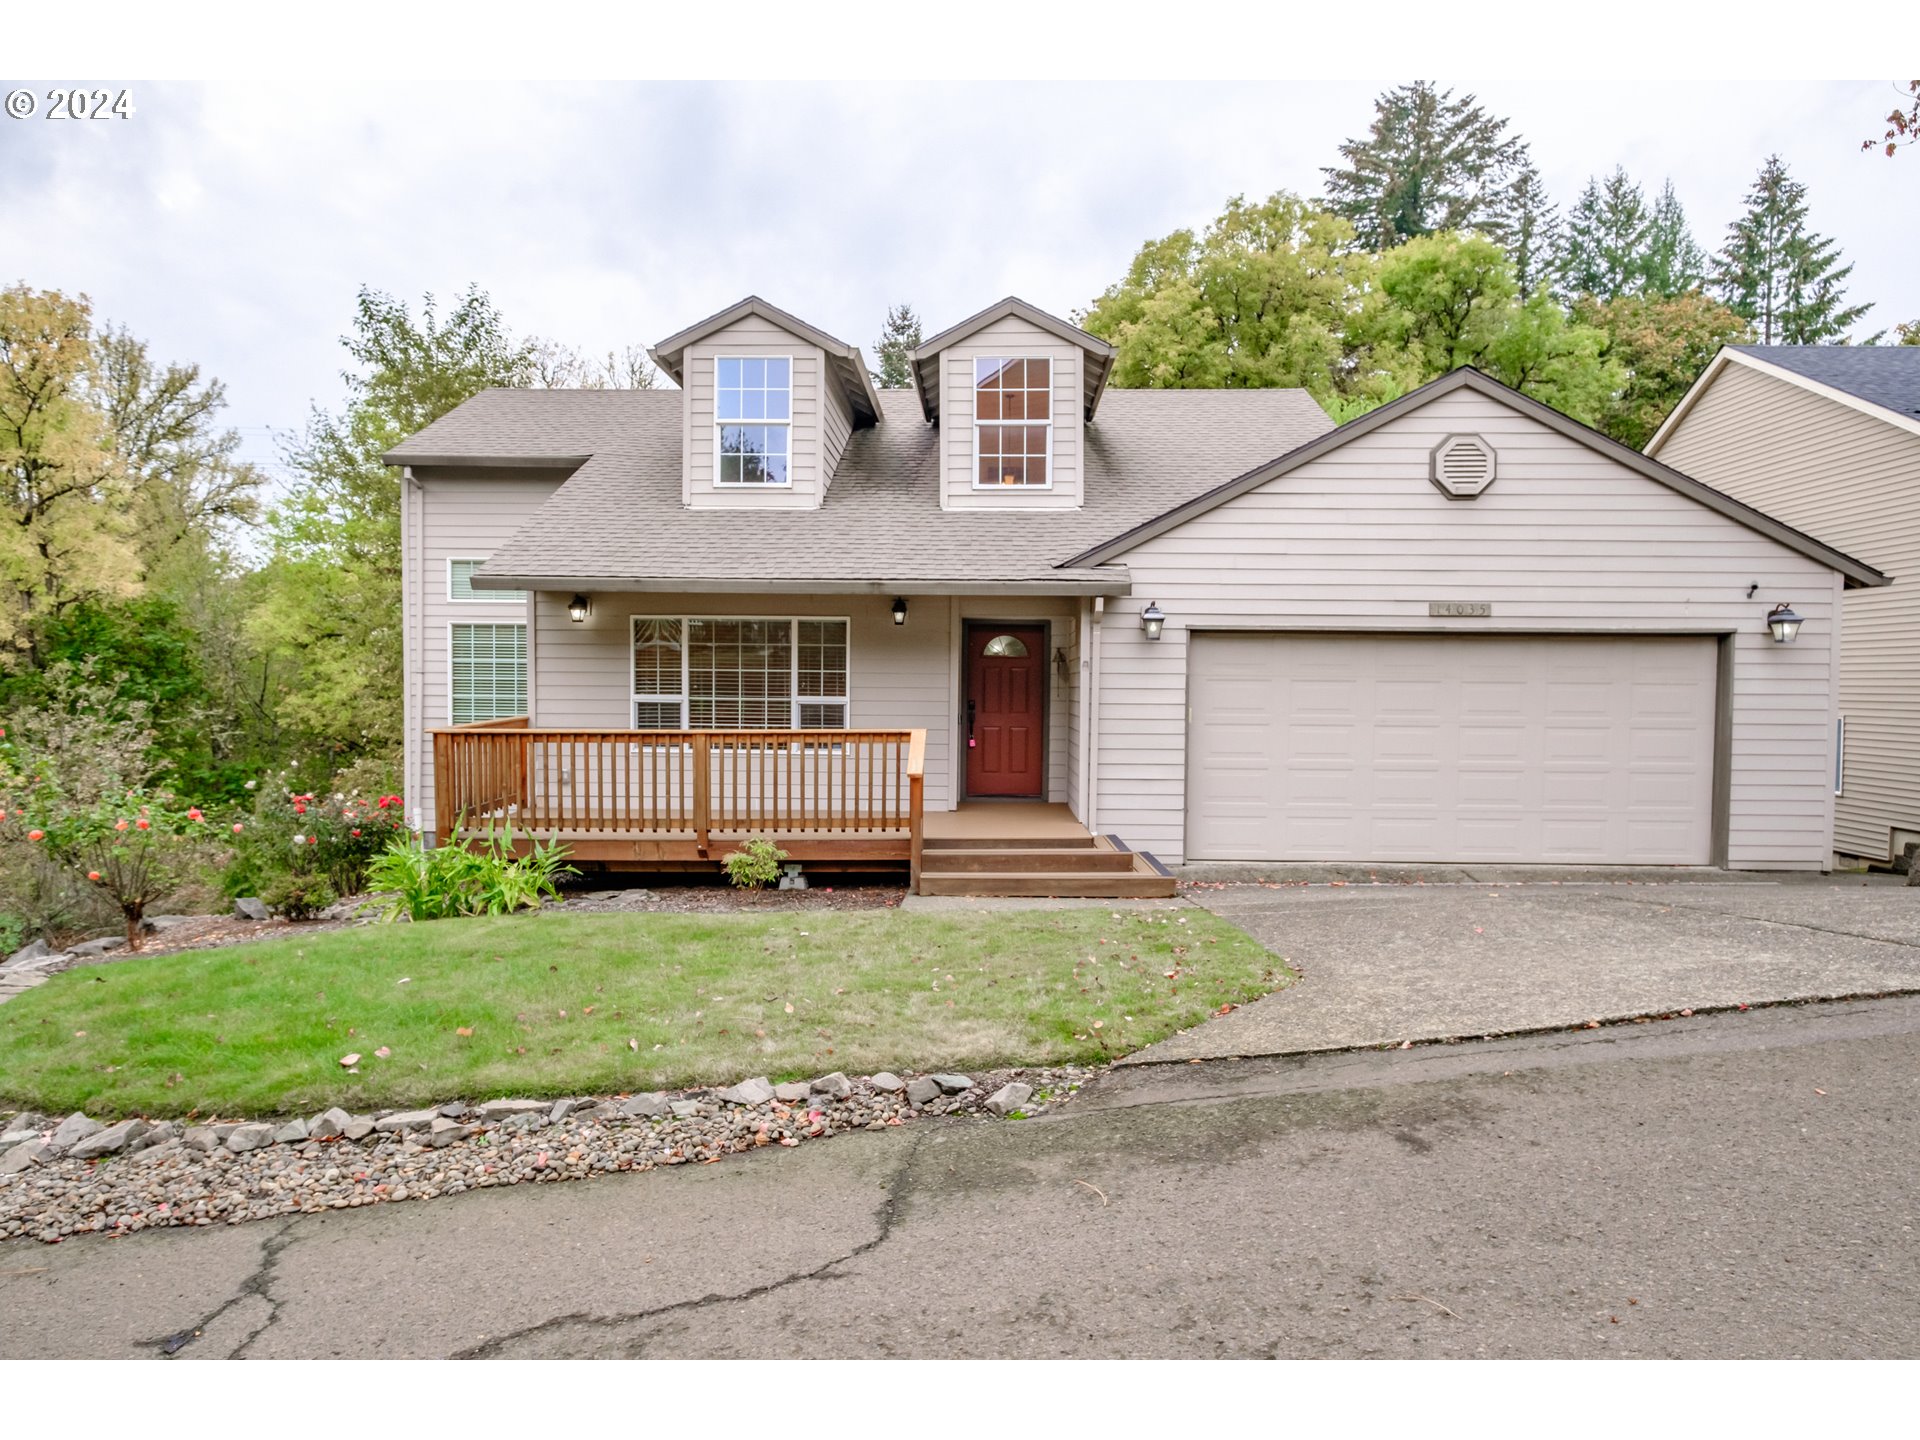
[{"x": 1006, "y": 710}]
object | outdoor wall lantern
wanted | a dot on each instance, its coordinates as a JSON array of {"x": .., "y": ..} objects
[
  {"x": 1153, "y": 620},
  {"x": 1783, "y": 623},
  {"x": 578, "y": 609},
  {"x": 899, "y": 609}
]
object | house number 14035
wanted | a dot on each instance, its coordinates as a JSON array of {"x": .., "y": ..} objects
[{"x": 1459, "y": 609}]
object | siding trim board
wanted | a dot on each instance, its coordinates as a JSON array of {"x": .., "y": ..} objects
[{"x": 1471, "y": 379}]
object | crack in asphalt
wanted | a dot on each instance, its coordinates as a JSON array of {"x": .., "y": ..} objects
[
  {"x": 885, "y": 1217},
  {"x": 257, "y": 1283},
  {"x": 1764, "y": 920}
]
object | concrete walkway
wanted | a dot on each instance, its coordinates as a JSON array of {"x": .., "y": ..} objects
[{"x": 1387, "y": 963}]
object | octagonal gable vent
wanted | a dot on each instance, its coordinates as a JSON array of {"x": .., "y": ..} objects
[{"x": 1463, "y": 466}]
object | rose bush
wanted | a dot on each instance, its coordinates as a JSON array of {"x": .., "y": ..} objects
[{"x": 300, "y": 851}]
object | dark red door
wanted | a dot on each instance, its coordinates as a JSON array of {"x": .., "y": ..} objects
[{"x": 1006, "y": 709}]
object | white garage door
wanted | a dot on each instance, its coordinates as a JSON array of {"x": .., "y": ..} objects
[{"x": 1557, "y": 749}]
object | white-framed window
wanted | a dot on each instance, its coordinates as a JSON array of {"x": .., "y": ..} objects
[
  {"x": 1012, "y": 422},
  {"x": 1840, "y": 755},
  {"x": 461, "y": 592},
  {"x": 753, "y": 419},
  {"x": 739, "y": 673},
  {"x": 486, "y": 672}
]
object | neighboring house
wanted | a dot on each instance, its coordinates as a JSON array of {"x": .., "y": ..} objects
[
  {"x": 1024, "y": 632},
  {"x": 1827, "y": 438}
]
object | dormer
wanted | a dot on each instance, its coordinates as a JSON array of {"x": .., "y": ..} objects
[
  {"x": 768, "y": 403},
  {"x": 1012, "y": 389}
]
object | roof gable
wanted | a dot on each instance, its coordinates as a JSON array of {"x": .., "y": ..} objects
[
  {"x": 1856, "y": 573},
  {"x": 1878, "y": 380},
  {"x": 926, "y": 359},
  {"x": 847, "y": 363}
]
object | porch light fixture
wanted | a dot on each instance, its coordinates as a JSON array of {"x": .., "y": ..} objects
[
  {"x": 1153, "y": 620},
  {"x": 1783, "y": 623},
  {"x": 578, "y": 609},
  {"x": 899, "y": 610}
]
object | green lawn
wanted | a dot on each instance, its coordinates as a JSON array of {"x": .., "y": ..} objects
[{"x": 553, "y": 1004}]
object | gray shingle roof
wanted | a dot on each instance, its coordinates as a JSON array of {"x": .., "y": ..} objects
[
  {"x": 1883, "y": 375},
  {"x": 619, "y": 517}
]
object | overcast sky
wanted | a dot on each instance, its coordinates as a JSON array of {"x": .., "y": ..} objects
[{"x": 231, "y": 225}]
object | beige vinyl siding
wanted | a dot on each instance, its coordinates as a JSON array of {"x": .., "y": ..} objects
[
  {"x": 836, "y": 425},
  {"x": 1564, "y": 540},
  {"x": 1014, "y": 338},
  {"x": 454, "y": 515},
  {"x": 749, "y": 338},
  {"x": 1852, "y": 480}
]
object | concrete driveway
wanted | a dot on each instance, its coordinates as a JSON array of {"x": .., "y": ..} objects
[{"x": 1386, "y": 963}]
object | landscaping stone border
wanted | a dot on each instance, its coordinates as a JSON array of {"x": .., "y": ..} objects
[{"x": 78, "y": 1177}]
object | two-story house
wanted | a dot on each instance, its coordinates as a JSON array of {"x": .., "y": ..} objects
[{"x": 1027, "y": 633}]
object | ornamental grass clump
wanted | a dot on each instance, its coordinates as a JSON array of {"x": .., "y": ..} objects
[{"x": 482, "y": 877}]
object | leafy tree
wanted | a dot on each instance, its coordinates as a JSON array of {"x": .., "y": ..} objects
[
  {"x": 62, "y": 486},
  {"x": 1452, "y": 300},
  {"x": 329, "y": 605},
  {"x": 1607, "y": 236},
  {"x": 1263, "y": 296},
  {"x": 1903, "y": 123},
  {"x": 1660, "y": 344},
  {"x": 553, "y": 366},
  {"x": 1908, "y": 331},
  {"x": 1671, "y": 263},
  {"x": 1776, "y": 272},
  {"x": 899, "y": 338},
  {"x": 1428, "y": 163}
]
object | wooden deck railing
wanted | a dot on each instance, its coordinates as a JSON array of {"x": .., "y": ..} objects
[{"x": 860, "y": 789}]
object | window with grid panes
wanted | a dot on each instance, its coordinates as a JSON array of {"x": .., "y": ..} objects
[
  {"x": 1012, "y": 421},
  {"x": 487, "y": 674},
  {"x": 727, "y": 673}
]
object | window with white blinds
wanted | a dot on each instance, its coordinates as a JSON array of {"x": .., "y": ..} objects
[
  {"x": 460, "y": 586},
  {"x": 487, "y": 673},
  {"x": 733, "y": 673}
]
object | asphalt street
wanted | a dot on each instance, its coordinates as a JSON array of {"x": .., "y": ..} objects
[{"x": 1729, "y": 1185}]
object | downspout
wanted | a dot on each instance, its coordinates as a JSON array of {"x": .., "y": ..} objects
[
  {"x": 1084, "y": 647},
  {"x": 411, "y": 681}
]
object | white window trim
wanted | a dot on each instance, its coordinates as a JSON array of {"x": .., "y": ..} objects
[
  {"x": 685, "y": 699},
  {"x": 498, "y": 597},
  {"x": 1840, "y": 756},
  {"x": 973, "y": 382},
  {"x": 793, "y": 390},
  {"x": 527, "y": 645}
]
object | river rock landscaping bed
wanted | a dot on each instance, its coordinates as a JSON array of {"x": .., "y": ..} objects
[{"x": 76, "y": 1176}]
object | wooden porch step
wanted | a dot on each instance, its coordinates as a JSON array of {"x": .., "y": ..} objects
[
  {"x": 1026, "y": 860},
  {"x": 1010, "y": 842},
  {"x": 1140, "y": 883}
]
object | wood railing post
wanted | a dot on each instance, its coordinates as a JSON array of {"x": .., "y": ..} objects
[
  {"x": 916, "y": 806},
  {"x": 443, "y": 787},
  {"x": 702, "y": 791}
]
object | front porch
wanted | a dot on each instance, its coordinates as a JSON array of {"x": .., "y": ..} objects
[{"x": 643, "y": 800}]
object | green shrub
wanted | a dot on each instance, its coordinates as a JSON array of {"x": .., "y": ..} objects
[
  {"x": 293, "y": 838},
  {"x": 483, "y": 878},
  {"x": 298, "y": 897},
  {"x": 755, "y": 865}
]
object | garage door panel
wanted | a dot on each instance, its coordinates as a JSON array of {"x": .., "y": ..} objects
[{"x": 1557, "y": 749}]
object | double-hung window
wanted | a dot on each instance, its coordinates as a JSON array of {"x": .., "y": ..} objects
[
  {"x": 487, "y": 672},
  {"x": 753, "y": 415},
  {"x": 739, "y": 674},
  {"x": 1012, "y": 421},
  {"x": 461, "y": 592}
]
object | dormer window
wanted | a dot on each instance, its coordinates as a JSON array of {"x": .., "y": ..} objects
[
  {"x": 753, "y": 410},
  {"x": 1013, "y": 422}
]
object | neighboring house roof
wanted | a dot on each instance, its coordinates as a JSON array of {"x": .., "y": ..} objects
[
  {"x": 619, "y": 523},
  {"x": 849, "y": 365},
  {"x": 1093, "y": 373},
  {"x": 1879, "y": 380},
  {"x": 1856, "y": 573}
]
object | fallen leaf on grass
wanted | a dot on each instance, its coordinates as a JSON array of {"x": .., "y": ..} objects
[
  {"x": 632, "y": 1044},
  {"x": 464, "y": 1031},
  {"x": 404, "y": 980},
  {"x": 349, "y": 1060},
  {"x": 789, "y": 1007},
  {"x": 382, "y": 1053}
]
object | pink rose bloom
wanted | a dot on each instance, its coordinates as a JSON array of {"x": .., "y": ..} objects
[
  {"x": 143, "y": 824},
  {"x": 119, "y": 824}
]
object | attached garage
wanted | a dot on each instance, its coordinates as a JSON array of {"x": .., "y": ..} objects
[{"x": 1561, "y": 749}]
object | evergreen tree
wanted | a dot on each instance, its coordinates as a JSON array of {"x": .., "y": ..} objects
[
  {"x": 1672, "y": 264},
  {"x": 1777, "y": 273},
  {"x": 1429, "y": 163},
  {"x": 1607, "y": 235},
  {"x": 1535, "y": 235},
  {"x": 899, "y": 338}
]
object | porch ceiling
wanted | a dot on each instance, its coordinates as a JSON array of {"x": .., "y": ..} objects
[{"x": 1106, "y": 580}]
